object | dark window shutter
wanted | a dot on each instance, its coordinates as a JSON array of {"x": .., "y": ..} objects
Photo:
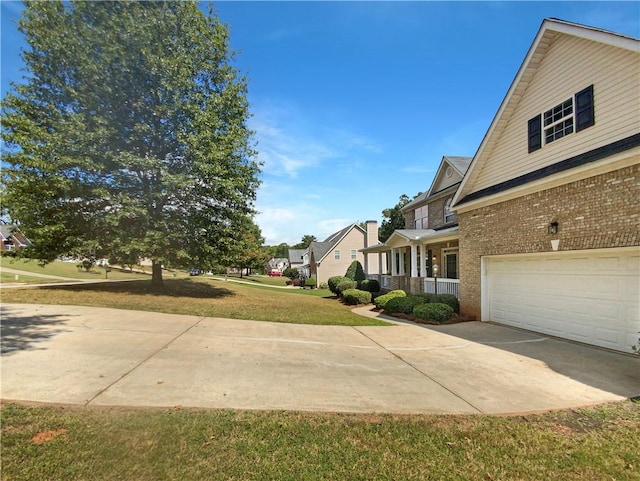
[
  {"x": 585, "y": 114},
  {"x": 535, "y": 133}
]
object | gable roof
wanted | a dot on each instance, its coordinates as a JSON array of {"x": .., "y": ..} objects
[
  {"x": 549, "y": 30},
  {"x": 11, "y": 232},
  {"x": 296, "y": 255},
  {"x": 321, "y": 249},
  {"x": 458, "y": 164}
]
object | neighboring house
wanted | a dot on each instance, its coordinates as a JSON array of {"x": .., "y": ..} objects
[
  {"x": 277, "y": 264},
  {"x": 549, "y": 210},
  {"x": 334, "y": 255},
  {"x": 297, "y": 259},
  {"x": 428, "y": 246},
  {"x": 11, "y": 238}
]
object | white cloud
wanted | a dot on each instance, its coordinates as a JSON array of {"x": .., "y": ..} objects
[{"x": 284, "y": 149}]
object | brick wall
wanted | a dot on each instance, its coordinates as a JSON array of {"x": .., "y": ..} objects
[
  {"x": 598, "y": 212},
  {"x": 436, "y": 214}
]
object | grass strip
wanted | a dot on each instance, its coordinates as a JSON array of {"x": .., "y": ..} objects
[{"x": 596, "y": 443}]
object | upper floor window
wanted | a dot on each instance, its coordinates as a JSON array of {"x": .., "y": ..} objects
[
  {"x": 353, "y": 254},
  {"x": 336, "y": 255},
  {"x": 572, "y": 115},
  {"x": 449, "y": 215},
  {"x": 421, "y": 217}
]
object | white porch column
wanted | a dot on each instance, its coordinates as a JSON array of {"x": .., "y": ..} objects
[
  {"x": 423, "y": 260},
  {"x": 414, "y": 260},
  {"x": 402, "y": 261},
  {"x": 380, "y": 263},
  {"x": 394, "y": 264}
]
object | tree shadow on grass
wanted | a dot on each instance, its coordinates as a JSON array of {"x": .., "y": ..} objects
[
  {"x": 171, "y": 288},
  {"x": 19, "y": 332}
]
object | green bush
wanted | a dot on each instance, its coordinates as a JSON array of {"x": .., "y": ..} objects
[
  {"x": 310, "y": 282},
  {"x": 356, "y": 296},
  {"x": 370, "y": 285},
  {"x": 345, "y": 284},
  {"x": 450, "y": 300},
  {"x": 381, "y": 301},
  {"x": 403, "y": 305},
  {"x": 291, "y": 273},
  {"x": 433, "y": 311},
  {"x": 324, "y": 285},
  {"x": 427, "y": 297},
  {"x": 333, "y": 282},
  {"x": 355, "y": 272}
]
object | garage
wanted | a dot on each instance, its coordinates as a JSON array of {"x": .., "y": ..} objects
[{"x": 590, "y": 296}]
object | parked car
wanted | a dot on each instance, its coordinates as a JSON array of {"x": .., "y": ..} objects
[
  {"x": 275, "y": 273},
  {"x": 195, "y": 272}
]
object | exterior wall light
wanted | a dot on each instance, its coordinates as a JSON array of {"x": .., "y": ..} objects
[{"x": 553, "y": 228}]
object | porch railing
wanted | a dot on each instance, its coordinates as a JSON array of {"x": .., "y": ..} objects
[{"x": 444, "y": 286}]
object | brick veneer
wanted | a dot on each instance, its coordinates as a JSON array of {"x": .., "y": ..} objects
[{"x": 597, "y": 212}]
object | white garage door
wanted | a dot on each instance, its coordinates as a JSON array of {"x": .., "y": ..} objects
[{"x": 586, "y": 296}]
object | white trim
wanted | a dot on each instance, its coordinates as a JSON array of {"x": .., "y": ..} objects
[
  {"x": 445, "y": 251},
  {"x": 609, "y": 164}
]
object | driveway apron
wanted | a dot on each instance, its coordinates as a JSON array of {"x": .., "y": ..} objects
[{"x": 110, "y": 357}]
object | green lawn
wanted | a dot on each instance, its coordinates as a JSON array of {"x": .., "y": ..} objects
[
  {"x": 64, "y": 443},
  {"x": 202, "y": 296},
  {"x": 69, "y": 270}
]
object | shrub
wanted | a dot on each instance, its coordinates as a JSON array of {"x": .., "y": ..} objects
[
  {"x": 427, "y": 297},
  {"x": 356, "y": 296},
  {"x": 403, "y": 305},
  {"x": 380, "y": 301},
  {"x": 345, "y": 284},
  {"x": 310, "y": 282},
  {"x": 370, "y": 285},
  {"x": 324, "y": 285},
  {"x": 355, "y": 272},
  {"x": 291, "y": 273},
  {"x": 333, "y": 282},
  {"x": 296, "y": 282},
  {"x": 450, "y": 300},
  {"x": 433, "y": 311}
]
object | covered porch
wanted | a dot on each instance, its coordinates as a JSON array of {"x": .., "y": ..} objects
[{"x": 417, "y": 261}]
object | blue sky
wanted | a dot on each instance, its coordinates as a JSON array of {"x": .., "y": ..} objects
[{"x": 355, "y": 103}]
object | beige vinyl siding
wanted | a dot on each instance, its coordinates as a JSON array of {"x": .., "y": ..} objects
[
  {"x": 570, "y": 65},
  {"x": 330, "y": 267}
]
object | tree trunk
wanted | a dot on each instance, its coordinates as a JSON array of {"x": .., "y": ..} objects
[{"x": 156, "y": 275}]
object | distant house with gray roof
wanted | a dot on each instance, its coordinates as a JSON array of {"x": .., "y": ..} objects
[{"x": 334, "y": 255}]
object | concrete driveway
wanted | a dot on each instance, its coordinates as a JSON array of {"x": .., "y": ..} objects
[{"x": 109, "y": 357}]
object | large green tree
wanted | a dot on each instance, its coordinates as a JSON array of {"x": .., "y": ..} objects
[
  {"x": 393, "y": 218},
  {"x": 305, "y": 242},
  {"x": 128, "y": 134}
]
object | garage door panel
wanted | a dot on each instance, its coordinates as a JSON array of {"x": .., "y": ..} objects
[{"x": 587, "y": 297}]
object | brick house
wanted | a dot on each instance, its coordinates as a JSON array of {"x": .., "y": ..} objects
[
  {"x": 334, "y": 255},
  {"x": 549, "y": 210},
  {"x": 11, "y": 238},
  {"x": 428, "y": 246}
]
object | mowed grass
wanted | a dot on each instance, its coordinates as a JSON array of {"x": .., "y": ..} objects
[
  {"x": 201, "y": 296},
  {"x": 598, "y": 443},
  {"x": 66, "y": 269}
]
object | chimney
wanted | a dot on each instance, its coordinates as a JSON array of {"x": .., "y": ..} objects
[{"x": 371, "y": 226}]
